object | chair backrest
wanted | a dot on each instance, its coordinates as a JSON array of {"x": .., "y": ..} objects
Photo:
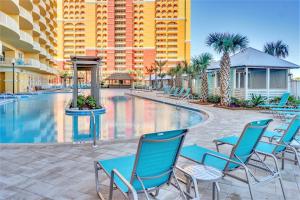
[
  {"x": 175, "y": 91},
  {"x": 289, "y": 134},
  {"x": 167, "y": 88},
  {"x": 180, "y": 92},
  {"x": 187, "y": 91},
  {"x": 248, "y": 141},
  {"x": 171, "y": 90},
  {"x": 156, "y": 157},
  {"x": 284, "y": 99}
]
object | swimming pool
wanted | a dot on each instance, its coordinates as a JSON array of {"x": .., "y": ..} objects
[{"x": 41, "y": 118}]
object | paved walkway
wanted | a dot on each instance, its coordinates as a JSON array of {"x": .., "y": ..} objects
[{"x": 65, "y": 171}]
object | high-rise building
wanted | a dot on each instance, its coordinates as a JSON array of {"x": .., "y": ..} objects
[
  {"x": 27, "y": 41},
  {"x": 127, "y": 34}
]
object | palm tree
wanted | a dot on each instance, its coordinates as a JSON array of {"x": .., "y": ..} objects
[
  {"x": 160, "y": 64},
  {"x": 64, "y": 75},
  {"x": 172, "y": 73},
  {"x": 200, "y": 64},
  {"x": 189, "y": 71},
  {"x": 149, "y": 70},
  {"x": 226, "y": 43},
  {"x": 278, "y": 49},
  {"x": 178, "y": 73}
]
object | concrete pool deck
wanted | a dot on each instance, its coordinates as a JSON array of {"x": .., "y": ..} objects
[{"x": 66, "y": 171}]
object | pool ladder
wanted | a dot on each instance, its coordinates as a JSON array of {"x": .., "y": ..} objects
[{"x": 94, "y": 130}]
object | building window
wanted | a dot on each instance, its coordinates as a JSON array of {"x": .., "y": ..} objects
[
  {"x": 257, "y": 79},
  {"x": 278, "y": 79},
  {"x": 240, "y": 79},
  {"x": 218, "y": 76}
]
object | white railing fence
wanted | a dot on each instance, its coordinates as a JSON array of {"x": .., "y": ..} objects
[{"x": 295, "y": 88}]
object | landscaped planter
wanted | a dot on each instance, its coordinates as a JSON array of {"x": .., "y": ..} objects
[{"x": 95, "y": 123}]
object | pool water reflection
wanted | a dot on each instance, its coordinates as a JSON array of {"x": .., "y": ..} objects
[{"x": 41, "y": 118}]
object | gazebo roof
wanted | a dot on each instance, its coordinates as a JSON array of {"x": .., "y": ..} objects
[
  {"x": 251, "y": 57},
  {"x": 85, "y": 61},
  {"x": 119, "y": 76}
]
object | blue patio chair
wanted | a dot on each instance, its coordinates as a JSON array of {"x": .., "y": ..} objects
[
  {"x": 282, "y": 103},
  {"x": 178, "y": 94},
  {"x": 166, "y": 90},
  {"x": 151, "y": 167},
  {"x": 174, "y": 92},
  {"x": 239, "y": 157},
  {"x": 187, "y": 94},
  {"x": 277, "y": 148}
]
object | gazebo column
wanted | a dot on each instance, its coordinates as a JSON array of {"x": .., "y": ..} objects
[
  {"x": 246, "y": 83},
  {"x": 75, "y": 85},
  {"x": 268, "y": 82},
  {"x": 288, "y": 80},
  {"x": 95, "y": 83}
]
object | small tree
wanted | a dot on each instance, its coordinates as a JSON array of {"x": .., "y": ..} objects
[
  {"x": 178, "y": 73},
  {"x": 160, "y": 64},
  {"x": 172, "y": 73},
  {"x": 150, "y": 70},
  {"x": 200, "y": 64},
  {"x": 64, "y": 75},
  {"x": 226, "y": 43},
  {"x": 278, "y": 49}
]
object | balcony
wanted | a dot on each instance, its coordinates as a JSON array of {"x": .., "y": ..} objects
[
  {"x": 43, "y": 38},
  {"x": 9, "y": 28},
  {"x": 36, "y": 30},
  {"x": 48, "y": 17},
  {"x": 26, "y": 38},
  {"x": 48, "y": 31},
  {"x": 43, "y": 8},
  {"x": 36, "y": 46},
  {"x": 43, "y": 52},
  {"x": 31, "y": 63},
  {"x": 36, "y": 12},
  {"x": 10, "y": 7},
  {"x": 43, "y": 23},
  {"x": 26, "y": 20}
]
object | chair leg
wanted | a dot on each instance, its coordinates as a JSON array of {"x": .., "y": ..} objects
[
  {"x": 249, "y": 184},
  {"x": 97, "y": 169},
  {"x": 281, "y": 185},
  {"x": 177, "y": 183},
  {"x": 217, "y": 147},
  {"x": 282, "y": 160}
]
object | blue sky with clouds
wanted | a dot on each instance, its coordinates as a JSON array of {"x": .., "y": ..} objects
[{"x": 260, "y": 20}]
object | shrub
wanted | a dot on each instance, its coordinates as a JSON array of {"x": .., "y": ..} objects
[
  {"x": 275, "y": 100},
  {"x": 214, "y": 99},
  {"x": 80, "y": 101},
  {"x": 234, "y": 102},
  {"x": 257, "y": 99},
  {"x": 86, "y": 102},
  {"x": 293, "y": 101}
]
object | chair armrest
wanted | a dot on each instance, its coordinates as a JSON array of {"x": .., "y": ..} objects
[
  {"x": 220, "y": 157},
  {"x": 130, "y": 187}
]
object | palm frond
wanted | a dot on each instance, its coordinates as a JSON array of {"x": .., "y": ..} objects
[
  {"x": 227, "y": 42},
  {"x": 278, "y": 48}
]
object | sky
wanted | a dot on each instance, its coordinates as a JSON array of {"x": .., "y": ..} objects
[{"x": 260, "y": 20}]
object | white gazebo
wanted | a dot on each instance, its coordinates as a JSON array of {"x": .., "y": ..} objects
[{"x": 253, "y": 72}]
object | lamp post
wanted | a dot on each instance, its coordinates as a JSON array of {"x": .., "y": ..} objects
[{"x": 13, "y": 65}]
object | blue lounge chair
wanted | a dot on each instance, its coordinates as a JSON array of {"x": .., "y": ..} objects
[
  {"x": 277, "y": 148},
  {"x": 282, "y": 103},
  {"x": 239, "y": 157},
  {"x": 178, "y": 94},
  {"x": 174, "y": 92},
  {"x": 151, "y": 167},
  {"x": 166, "y": 90},
  {"x": 187, "y": 94}
]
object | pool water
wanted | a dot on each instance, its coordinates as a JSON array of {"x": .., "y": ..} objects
[{"x": 41, "y": 118}]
